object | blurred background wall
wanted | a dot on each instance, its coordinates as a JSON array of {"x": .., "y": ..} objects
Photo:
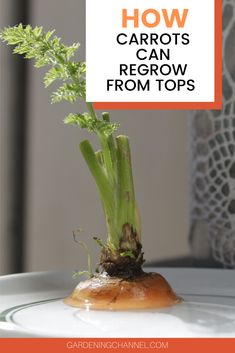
[
  {"x": 57, "y": 194},
  {"x": 13, "y": 136}
]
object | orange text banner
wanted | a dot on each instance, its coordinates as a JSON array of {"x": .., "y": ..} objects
[{"x": 61, "y": 345}]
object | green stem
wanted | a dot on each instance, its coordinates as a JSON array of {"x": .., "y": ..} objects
[
  {"x": 104, "y": 141},
  {"x": 108, "y": 150},
  {"x": 112, "y": 147},
  {"x": 105, "y": 188},
  {"x": 100, "y": 157},
  {"x": 126, "y": 212},
  {"x": 112, "y": 170},
  {"x": 91, "y": 110},
  {"x": 107, "y": 157},
  {"x": 97, "y": 172}
]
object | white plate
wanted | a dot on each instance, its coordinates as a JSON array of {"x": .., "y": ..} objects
[{"x": 31, "y": 306}]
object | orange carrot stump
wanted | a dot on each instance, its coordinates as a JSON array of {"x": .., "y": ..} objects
[{"x": 102, "y": 292}]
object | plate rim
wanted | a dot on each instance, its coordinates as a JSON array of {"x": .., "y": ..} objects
[{"x": 226, "y": 275}]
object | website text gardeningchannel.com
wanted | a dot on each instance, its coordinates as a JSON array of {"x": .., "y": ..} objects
[{"x": 115, "y": 344}]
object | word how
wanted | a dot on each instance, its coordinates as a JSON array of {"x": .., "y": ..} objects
[{"x": 152, "y": 18}]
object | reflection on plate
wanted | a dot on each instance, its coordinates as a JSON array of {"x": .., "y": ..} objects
[{"x": 31, "y": 305}]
